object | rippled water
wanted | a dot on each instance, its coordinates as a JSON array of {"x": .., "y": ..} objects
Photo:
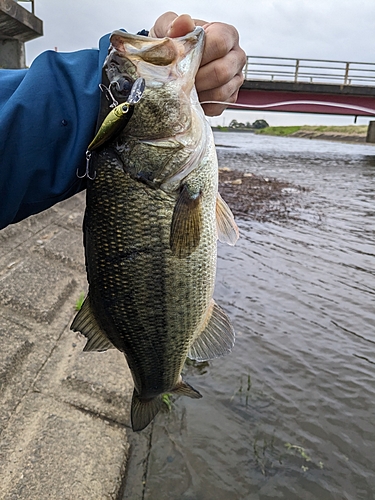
[{"x": 290, "y": 413}]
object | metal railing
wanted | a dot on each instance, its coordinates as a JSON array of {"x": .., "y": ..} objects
[
  {"x": 309, "y": 70},
  {"x": 27, "y": 1}
]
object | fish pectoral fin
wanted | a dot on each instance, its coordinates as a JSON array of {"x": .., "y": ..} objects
[
  {"x": 184, "y": 389},
  {"x": 227, "y": 230},
  {"x": 216, "y": 338},
  {"x": 86, "y": 323},
  {"x": 186, "y": 224},
  {"x": 144, "y": 410}
]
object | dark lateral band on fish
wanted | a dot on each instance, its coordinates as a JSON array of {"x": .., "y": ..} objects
[{"x": 113, "y": 123}]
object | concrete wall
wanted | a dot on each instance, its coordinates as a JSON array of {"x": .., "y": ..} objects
[
  {"x": 12, "y": 54},
  {"x": 371, "y": 132}
]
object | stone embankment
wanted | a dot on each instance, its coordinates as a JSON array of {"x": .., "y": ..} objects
[{"x": 64, "y": 414}]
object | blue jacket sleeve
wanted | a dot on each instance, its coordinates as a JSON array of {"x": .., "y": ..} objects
[{"x": 47, "y": 118}]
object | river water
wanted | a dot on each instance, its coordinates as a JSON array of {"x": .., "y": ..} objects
[{"x": 290, "y": 413}]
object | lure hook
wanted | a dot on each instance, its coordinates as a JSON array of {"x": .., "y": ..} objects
[{"x": 87, "y": 171}]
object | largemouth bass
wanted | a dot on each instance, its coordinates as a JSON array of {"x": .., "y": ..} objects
[{"x": 152, "y": 221}]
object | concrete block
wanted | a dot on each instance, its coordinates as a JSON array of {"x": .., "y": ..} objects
[
  {"x": 13, "y": 352},
  {"x": 52, "y": 450},
  {"x": 63, "y": 245},
  {"x": 14, "y": 355},
  {"x": 99, "y": 382},
  {"x": 48, "y": 286},
  {"x": 12, "y": 237}
]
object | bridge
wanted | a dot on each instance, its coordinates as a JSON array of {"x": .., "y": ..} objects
[{"x": 308, "y": 86}]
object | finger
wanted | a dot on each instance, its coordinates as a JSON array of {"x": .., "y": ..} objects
[
  {"x": 172, "y": 25},
  {"x": 218, "y": 73},
  {"x": 162, "y": 25},
  {"x": 181, "y": 26},
  {"x": 225, "y": 94},
  {"x": 214, "y": 109},
  {"x": 220, "y": 39}
]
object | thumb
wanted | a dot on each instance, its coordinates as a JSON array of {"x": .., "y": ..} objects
[{"x": 172, "y": 25}]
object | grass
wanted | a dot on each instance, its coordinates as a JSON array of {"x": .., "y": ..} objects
[
  {"x": 279, "y": 130},
  {"x": 79, "y": 301},
  {"x": 167, "y": 401},
  {"x": 347, "y": 130}
]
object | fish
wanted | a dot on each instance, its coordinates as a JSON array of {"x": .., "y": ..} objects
[{"x": 152, "y": 220}]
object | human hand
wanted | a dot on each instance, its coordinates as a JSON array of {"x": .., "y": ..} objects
[{"x": 220, "y": 74}]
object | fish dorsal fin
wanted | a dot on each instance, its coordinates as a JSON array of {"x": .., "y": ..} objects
[
  {"x": 85, "y": 322},
  {"x": 227, "y": 229},
  {"x": 184, "y": 389},
  {"x": 216, "y": 337},
  {"x": 144, "y": 410},
  {"x": 186, "y": 224}
]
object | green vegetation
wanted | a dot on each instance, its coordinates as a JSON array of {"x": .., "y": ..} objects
[
  {"x": 279, "y": 130},
  {"x": 79, "y": 301},
  {"x": 166, "y": 398},
  {"x": 337, "y": 129},
  {"x": 316, "y": 130}
]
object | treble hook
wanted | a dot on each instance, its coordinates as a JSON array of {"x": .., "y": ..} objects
[
  {"x": 87, "y": 171},
  {"x": 107, "y": 92}
]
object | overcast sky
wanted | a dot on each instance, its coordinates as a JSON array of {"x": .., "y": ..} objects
[{"x": 318, "y": 29}]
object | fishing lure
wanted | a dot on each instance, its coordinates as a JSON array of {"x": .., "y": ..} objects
[{"x": 113, "y": 123}]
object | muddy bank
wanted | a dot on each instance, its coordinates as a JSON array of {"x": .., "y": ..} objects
[{"x": 254, "y": 197}]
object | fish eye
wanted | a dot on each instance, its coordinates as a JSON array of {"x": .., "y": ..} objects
[{"x": 123, "y": 86}]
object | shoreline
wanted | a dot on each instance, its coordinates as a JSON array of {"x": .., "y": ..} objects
[{"x": 328, "y": 133}]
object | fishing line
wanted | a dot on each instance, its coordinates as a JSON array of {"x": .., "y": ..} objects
[{"x": 353, "y": 107}]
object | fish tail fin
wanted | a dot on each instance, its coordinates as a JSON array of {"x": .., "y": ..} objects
[
  {"x": 184, "y": 389},
  {"x": 143, "y": 411}
]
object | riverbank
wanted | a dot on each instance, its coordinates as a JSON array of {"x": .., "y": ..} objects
[{"x": 346, "y": 133}]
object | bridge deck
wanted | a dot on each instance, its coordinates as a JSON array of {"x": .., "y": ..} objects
[{"x": 308, "y": 86}]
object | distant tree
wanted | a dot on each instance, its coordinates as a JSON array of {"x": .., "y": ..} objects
[
  {"x": 233, "y": 124},
  {"x": 260, "y": 124}
]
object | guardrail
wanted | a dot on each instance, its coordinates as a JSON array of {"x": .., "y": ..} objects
[
  {"x": 27, "y": 1},
  {"x": 309, "y": 70}
]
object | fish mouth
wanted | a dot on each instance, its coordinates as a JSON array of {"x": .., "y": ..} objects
[
  {"x": 158, "y": 59},
  {"x": 168, "y": 66}
]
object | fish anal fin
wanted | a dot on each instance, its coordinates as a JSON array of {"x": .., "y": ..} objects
[
  {"x": 184, "y": 389},
  {"x": 186, "y": 224},
  {"x": 85, "y": 322},
  {"x": 216, "y": 337},
  {"x": 227, "y": 229},
  {"x": 143, "y": 411}
]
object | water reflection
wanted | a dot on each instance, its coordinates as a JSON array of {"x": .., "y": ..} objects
[{"x": 290, "y": 412}]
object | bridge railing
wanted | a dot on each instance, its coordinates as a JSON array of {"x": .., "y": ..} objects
[
  {"x": 309, "y": 70},
  {"x": 28, "y": 1}
]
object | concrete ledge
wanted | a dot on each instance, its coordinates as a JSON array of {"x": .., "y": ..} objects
[{"x": 18, "y": 23}]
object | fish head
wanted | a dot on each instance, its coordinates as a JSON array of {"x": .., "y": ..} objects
[{"x": 169, "y": 67}]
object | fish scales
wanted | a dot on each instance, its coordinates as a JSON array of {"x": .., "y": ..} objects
[{"x": 151, "y": 232}]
